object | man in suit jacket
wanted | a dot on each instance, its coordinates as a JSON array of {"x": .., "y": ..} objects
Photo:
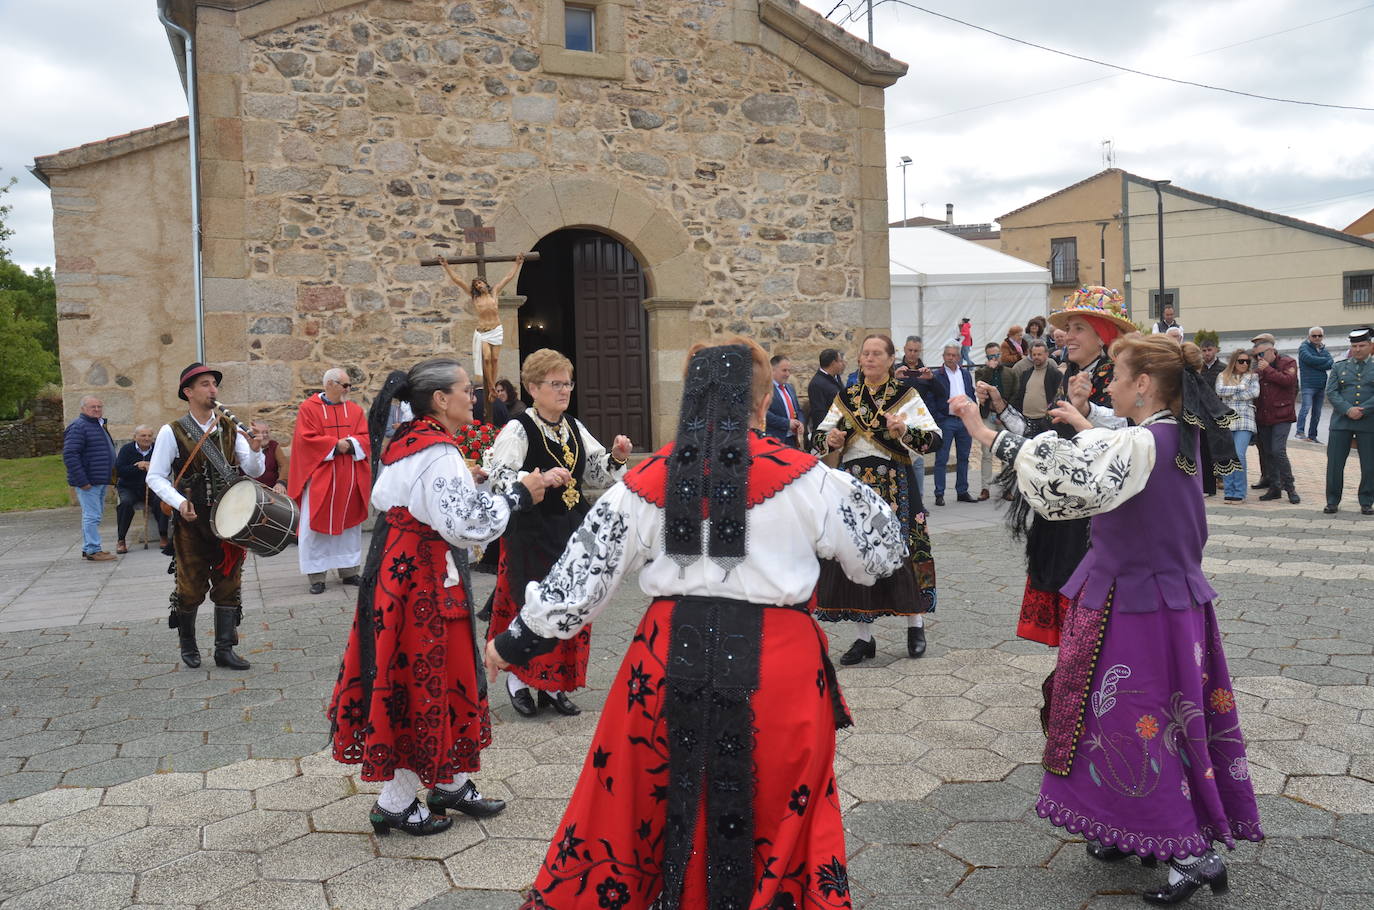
[
  {"x": 784, "y": 412},
  {"x": 1038, "y": 389},
  {"x": 824, "y": 386},
  {"x": 949, "y": 381}
]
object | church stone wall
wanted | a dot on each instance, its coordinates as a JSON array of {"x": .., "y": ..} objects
[{"x": 331, "y": 140}]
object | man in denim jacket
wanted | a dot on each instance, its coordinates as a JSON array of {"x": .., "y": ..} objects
[{"x": 1314, "y": 362}]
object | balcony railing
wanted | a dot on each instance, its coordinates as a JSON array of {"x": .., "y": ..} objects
[{"x": 1063, "y": 271}]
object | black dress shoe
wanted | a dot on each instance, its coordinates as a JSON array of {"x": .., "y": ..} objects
[
  {"x": 916, "y": 640},
  {"x": 1271, "y": 495},
  {"x": 964, "y": 497},
  {"x": 560, "y": 702},
  {"x": 939, "y": 499},
  {"x": 465, "y": 800},
  {"x": 1367, "y": 510},
  {"x": 1210, "y": 871},
  {"x": 1115, "y": 855},
  {"x": 317, "y": 587},
  {"x": 523, "y": 703},
  {"x": 1330, "y": 510},
  {"x": 860, "y": 650},
  {"x": 384, "y": 822},
  {"x": 1262, "y": 485},
  {"x": 1293, "y": 497},
  {"x": 352, "y": 580}
]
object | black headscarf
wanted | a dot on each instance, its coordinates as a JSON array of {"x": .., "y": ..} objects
[
  {"x": 379, "y": 415},
  {"x": 708, "y": 474},
  {"x": 1203, "y": 412}
]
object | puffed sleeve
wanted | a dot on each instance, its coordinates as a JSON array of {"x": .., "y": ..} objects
[
  {"x": 1092, "y": 473},
  {"x": 828, "y": 423},
  {"x": 860, "y": 532},
  {"x": 614, "y": 539},
  {"x": 602, "y": 470},
  {"x": 503, "y": 460},
  {"x": 922, "y": 433},
  {"x": 445, "y": 498}
]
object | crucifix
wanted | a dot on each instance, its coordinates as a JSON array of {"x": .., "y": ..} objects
[{"x": 489, "y": 335}]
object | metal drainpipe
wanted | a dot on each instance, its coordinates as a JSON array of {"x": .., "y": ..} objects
[{"x": 193, "y": 124}]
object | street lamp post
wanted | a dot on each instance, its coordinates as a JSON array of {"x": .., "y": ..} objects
[
  {"x": 904, "y": 162},
  {"x": 1102, "y": 249},
  {"x": 1159, "y": 216}
]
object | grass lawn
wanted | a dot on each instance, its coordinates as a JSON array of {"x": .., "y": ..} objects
[{"x": 33, "y": 483}]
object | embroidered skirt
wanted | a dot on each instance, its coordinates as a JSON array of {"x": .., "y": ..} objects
[
  {"x": 1053, "y": 551},
  {"x": 1145, "y": 751},
  {"x": 771, "y": 832},
  {"x": 409, "y": 694},
  {"x": 909, "y": 590}
]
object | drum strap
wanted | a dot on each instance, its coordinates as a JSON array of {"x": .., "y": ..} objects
[
  {"x": 213, "y": 454},
  {"x": 182, "y": 473}
]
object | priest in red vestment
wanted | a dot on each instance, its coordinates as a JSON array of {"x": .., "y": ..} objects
[{"x": 331, "y": 479}]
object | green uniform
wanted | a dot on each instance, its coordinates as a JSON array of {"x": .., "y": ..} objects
[{"x": 1350, "y": 385}]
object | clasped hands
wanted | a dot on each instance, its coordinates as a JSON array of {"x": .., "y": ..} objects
[{"x": 537, "y": 482}]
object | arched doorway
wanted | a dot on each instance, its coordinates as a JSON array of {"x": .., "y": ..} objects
[{"x": 585, "y": 298}]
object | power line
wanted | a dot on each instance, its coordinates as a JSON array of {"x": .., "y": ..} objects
[{"x": 1127, "y": 69}]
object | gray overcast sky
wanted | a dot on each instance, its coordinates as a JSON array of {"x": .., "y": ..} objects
[{"x": 990, "y": 125}]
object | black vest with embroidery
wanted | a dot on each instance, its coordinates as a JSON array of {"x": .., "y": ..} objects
[
  {"x": 543, "y": 454},
  {"x": 203, "y": 482}
]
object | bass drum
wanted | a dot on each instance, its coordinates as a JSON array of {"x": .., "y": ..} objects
[{"x": 255, "y": 517}]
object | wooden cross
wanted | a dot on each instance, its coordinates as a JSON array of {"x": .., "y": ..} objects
[{"x": 480, "y": 235}]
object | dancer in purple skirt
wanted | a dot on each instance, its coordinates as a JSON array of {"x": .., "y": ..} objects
[{"x": 1144, "y": 754}]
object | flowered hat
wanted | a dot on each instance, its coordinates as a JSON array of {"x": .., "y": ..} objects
[{"x": 1103, "y": 307}]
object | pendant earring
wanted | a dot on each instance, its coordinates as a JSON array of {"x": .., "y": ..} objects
[{"x": 1140, "y": 401}]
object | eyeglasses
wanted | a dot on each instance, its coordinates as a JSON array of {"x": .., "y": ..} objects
[
  {"x": 560, "y": 386},
  {"x": 1243, "y": 360},
  {"x": 994, "y": 357},
  {"x": 1316, "y": 335}
]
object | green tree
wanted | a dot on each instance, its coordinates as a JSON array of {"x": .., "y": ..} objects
[{"x": 28, "y": 326}]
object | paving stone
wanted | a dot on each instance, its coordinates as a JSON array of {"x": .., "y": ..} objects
[
  {"x": 1325, "y": 865},
  {"x": 275, "y": 895},
  {"x": 24, "y": 870},
  {"x": 97, "y": 891},
  {"x": 555, "y": 781},
  {"x": 346, "y": 816},
  {"x": 154, "y": 788},
  {"x": 891, "y": 782},
  {"x": 302, "y": 793},
  {"x": 535, "y": 819},
  {"x": 1336, "y": 794},
  {"x": 998, "y": 844},
  {"x": 109, "y": 773},
  {"x": 398, "y": 883},
  {"x": 1019, "y": 887},
  {"x": 141, "y": 850},
  {"x": 966, "y": 765},
  {"x": 1297, "y": 757},
  {"x": 882, "y": 748},
  {"x": 317, "y": 856},
  {"x": 474, "y": 900},
  {"x": 201, "y": 807},
  {"x": 198, "y": 878},
  {"x": 27, "y": 783},
  {"x": 256, "y": 830},
  {"x": 45, "y": 807},
  {"x": 91, "y": 826},
  {"x": 995, "y": 801},
  {"x": 498, "y": 864},
  {"x": 891, "y": 868}
]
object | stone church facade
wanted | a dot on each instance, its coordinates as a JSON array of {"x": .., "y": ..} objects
[{"x": 706, "y": 167}]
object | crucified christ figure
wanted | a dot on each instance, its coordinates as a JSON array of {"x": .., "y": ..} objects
[{"x": 489, "y": 334}]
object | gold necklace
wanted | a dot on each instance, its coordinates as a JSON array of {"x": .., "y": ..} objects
[
  {"x": 874, "y": 420},
  {"x": 571, "y": 495}
]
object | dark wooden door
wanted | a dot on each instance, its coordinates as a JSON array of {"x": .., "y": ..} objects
[{"x": 612, "y": 340}]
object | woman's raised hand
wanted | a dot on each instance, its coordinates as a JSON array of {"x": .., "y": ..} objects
[
  {"x": 536, "y": 483},
  {"x": 835, "y": 439}
]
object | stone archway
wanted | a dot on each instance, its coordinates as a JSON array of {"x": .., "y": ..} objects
[{"x": 673, "y": 269}]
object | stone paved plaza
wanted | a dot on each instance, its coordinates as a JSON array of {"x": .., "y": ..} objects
[{"x": 128, "y": 780}]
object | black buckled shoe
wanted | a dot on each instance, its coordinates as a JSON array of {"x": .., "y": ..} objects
[
  {"x": 916, "y": 641},
  {"x": 860, "y": 650},
  {"x": 186, "y": 636},
  {"x": 465, "y": 800},
  {"x": 560, "y": 702},
  {"x": 317, "y": 587},
  {"x": 1210, "y": 871},
  {"x": 384, "y": 822},
  {"x": 523, "y": 702},
  {"x": 1115, "y": 855}
]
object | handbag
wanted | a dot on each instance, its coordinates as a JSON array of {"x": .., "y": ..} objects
[{"x": 167, "y": 507}]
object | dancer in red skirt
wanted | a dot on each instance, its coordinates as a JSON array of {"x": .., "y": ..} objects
[
  {"x": 1093, "y": 318},
  {"x": 545, "y": 437},
  {"x": 710, "y": 780},
  {"x": 410, "y": 704}
]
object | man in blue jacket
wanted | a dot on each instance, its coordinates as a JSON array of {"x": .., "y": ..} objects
[
  {"x": 89, "y": 454},
  {"x": 1314, "y": 363}
]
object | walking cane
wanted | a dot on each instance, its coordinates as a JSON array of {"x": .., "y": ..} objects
[{"x": 145, "y": 516}]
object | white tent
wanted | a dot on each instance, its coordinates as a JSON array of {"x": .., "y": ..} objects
[{"x": 939, "y": 278}]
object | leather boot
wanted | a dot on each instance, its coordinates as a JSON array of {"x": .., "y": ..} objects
[
  {"x": 224, "y": 641},
  {"x": 186, "y": 634}
]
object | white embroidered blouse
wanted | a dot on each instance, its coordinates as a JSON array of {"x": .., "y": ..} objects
[
  {"x": 1092, "y": 473},
  {"x": 824, "y": 514},
  {"x": 912, "y": 409},
  {"x": 437, "y": 488},
  {"x": 503, "y": 460}
]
